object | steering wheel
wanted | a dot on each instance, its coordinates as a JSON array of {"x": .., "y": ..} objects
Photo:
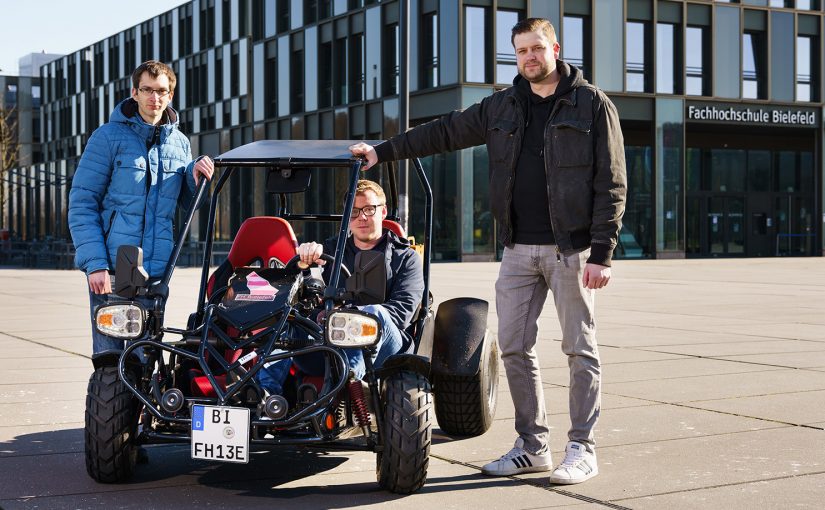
[{"x": 295, "y": 264}]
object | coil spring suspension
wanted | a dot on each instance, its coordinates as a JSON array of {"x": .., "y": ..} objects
[{"x": 359, "y": 404}]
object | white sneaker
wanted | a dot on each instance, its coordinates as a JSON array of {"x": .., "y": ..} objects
[
  {"x": 517, "y": 461},
  {"x": 578, "y": 465}
]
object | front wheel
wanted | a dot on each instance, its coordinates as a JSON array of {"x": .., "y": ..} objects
[
  {"x": 111, "y": 427},
  {"x": 407, "y": 432}
]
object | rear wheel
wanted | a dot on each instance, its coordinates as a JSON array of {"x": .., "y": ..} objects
[
  {"x": 111, "y": 427},
  {"x": 407, "y": 432},
  {"x": 465, "y": 405}
]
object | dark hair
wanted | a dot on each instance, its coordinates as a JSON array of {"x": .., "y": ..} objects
[
  {"x": 155, "y": 69},
  {"x": 534, "y": 25}
]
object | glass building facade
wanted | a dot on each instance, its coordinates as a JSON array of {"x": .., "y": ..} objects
[{"x": 720, "y": 103}]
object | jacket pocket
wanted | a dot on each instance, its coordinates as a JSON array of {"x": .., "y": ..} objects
[
  {"x": 500, "y": 139},
  {"x": 572, "y": 143}
]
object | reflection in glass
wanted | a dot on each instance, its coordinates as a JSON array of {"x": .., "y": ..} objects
[
  {"x": 573, "y": 41},
  {"x": 474, "y": 54},
  {"x": 694, "y": 37},
  {"x": 635, "y": 56},
  {"x": 669, "y": 161},
  {"x": 759, "y": 170},
  {"x": 429, "y": 50},
  {"x": 754, "y": 83},
  {"x": 803, "y": 68},
  {"x": 506, "y": 68},
  {"x": 636, "y": 235},
  {"x": 483, "y": 231},
  {"x": 665, "y": 58},
  {"x": 726, "y": 171}
]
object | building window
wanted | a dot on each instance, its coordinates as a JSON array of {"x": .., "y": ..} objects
[
  {"x": 697, "y": 82},
  {"x": 217, "y": 73},
  {"x": 165, "y": 39},
  {"x": 339, "y": 71},
  {"x": 506, "y": 68},
  {"x": 283, "y": 16},
  {"x": 271, "y": 80},
  {"x": 258, "y": 20},
  {"x": 114, "y": 59},
  {"x": 754, "y": 68},
  {"x": 206, "y": 21},
  {"x": 129, "y": 46},
  {"x": 807, "y": 65},
  {"x": 475, "y": 44},
  {"x": 356, "y": 68},
  {"x": 147, "y": 41},
  {"x": 391, "y": 59},
  {"x": 296, "y": 76},
  {"x": 185, "y": 30},
  {"x": 668, "y": 59},
  {"x": 99, "y": 62},
  {"x": 429, "y": 50},
  {"x": 325, "y": 75},
  {"x": 243, "y": 30},
  {"x": 637, "y": 51},
  {"x": 575, "y": 44},
  {"x": 226, "y": 20},
  {"x": 310, "y": 11}
]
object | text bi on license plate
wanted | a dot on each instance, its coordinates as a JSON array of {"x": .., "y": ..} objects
[{"x": 220, "y": 433}]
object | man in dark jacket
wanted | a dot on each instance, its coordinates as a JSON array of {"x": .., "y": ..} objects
[
  {"x": 557, "y": 189},
  {"x": 405, "y": 282},
  {"x": 134, "y": 172}
]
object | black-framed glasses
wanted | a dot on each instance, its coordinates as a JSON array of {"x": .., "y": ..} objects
[
  {"x": 148, "y": 91},
  {"x": 368, "y": 210}
]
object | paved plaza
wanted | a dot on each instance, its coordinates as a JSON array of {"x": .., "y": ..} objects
[{"x": 713, "y": 397}]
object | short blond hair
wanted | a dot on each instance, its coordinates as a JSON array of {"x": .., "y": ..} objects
[{"x": 365, "y": 185}]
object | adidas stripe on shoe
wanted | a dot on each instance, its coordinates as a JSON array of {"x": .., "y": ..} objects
[{"x": 517, "y": 461}]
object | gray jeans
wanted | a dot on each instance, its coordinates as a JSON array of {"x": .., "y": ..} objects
[{"x": 527, "y": 272}]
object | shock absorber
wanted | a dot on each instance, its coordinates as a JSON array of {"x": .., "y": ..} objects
[{"x": 359, "y": 405}]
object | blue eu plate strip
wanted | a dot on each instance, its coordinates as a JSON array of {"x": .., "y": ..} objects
[{"x": 197, "y": 417}]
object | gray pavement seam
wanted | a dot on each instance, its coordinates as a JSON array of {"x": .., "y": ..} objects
[
  {"x": 722, "y": 485},
  {"x": 44, "y": 344},
  {"x": 533, "y": 483}
]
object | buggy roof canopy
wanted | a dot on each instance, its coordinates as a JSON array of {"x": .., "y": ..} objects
[{"x": 286, "y": 153}]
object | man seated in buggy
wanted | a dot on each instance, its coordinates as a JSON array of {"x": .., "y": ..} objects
[{"x": 405, "y": 287}]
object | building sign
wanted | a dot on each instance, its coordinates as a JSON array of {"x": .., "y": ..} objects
[{"x": 762, "y": 115}]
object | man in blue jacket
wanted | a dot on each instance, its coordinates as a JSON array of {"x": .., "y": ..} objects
[
  {"x": 134, "y": 172},
  {"x": 404, "y": 290}
]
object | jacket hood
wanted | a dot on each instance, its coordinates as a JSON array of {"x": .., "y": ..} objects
[
  {"x": 570, "y": 78},
  {"x": 126, "y": 112}
]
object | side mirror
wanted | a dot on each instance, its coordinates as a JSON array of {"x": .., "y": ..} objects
[
  {"x": 129, "y": 273},
  {"x": 368, "y": 283}
]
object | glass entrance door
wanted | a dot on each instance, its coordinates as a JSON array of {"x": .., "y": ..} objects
[{"x": 726, "y": 226}]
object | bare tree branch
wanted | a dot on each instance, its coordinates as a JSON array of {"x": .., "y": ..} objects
[{"x": 8, "y": 152}]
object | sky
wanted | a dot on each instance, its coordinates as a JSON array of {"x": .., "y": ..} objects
[{"x": 61, "y": 26}]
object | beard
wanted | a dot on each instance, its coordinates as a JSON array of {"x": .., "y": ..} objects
[{"x": 536, "y": 74}]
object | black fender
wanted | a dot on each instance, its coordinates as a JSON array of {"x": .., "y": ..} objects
[
  {"x": 111, "y": 358},
  {"x": 401, "y": 362},
  {"x": 459, "y": 336}
]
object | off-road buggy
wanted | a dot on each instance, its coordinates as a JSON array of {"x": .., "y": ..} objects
[{"x": 198, "y": 384}]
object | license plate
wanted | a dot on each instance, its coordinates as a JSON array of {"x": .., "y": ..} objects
[{"x": 220, "y": 433}]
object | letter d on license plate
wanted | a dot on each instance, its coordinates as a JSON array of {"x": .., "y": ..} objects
[{"x": 220, "y": 433}]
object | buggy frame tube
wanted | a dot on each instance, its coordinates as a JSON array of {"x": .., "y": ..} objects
[
  {"x": 210, "y": 234},
  {"x": 428, "y": 233},
  {"x": 184, "y": 231}
]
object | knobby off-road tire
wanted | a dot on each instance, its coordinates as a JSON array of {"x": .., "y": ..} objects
[
  {"x": 408, "y": 423},
  {"x": 111, "y": 427},
  {"x": 465, "y": 405}
]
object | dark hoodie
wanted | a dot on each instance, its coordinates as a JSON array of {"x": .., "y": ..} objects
[
  {"x": 531, "y": 204},
  {"x": 405, "y": 276}
]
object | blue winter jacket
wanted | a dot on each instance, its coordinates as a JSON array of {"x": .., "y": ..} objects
[{"x": 123, "y": 193}]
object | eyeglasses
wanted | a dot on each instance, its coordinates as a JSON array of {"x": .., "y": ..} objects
[
  {"x": 368, "y": 210},
  {"x": 148, "y": 91}
]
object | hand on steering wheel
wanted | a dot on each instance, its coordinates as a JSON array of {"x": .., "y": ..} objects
[{"x": 297, "y": 262}]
